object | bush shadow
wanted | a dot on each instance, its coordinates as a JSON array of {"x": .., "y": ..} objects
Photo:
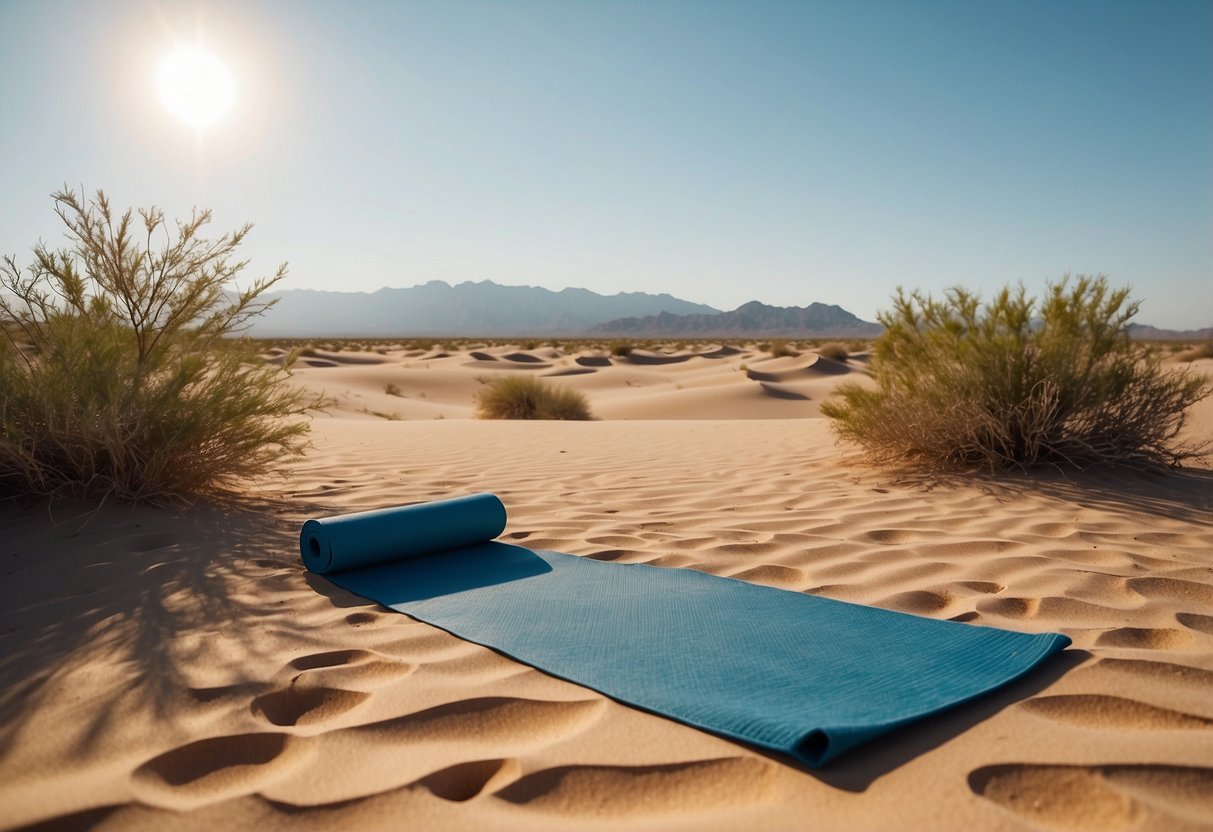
[{"x": 117, "y": 587}]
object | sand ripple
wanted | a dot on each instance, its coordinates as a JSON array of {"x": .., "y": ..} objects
[{"x": 188, "y": 673}]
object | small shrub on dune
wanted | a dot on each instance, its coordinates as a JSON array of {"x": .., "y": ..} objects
[
  {"x": 781, "y": 349},
  {"x": 135, "y": 389},
  {"x": 528, "y": 397},
  {"x": 1203, "y": 351},
  {"x": 834, "y": 351},
  {"x": 621, "y": 348},
  {"x": 1015, "y": 383}
]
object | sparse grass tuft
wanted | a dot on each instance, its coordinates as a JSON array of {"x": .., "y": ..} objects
[
  {"x": 528, "y": 397},
  {"x": 135, "y": 388},
  {"x": 1015, "y": 383}
]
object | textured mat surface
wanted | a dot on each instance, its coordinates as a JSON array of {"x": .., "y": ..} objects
[{"x": 802, "y": 675}]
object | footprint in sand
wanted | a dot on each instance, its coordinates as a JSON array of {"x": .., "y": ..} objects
[
  {"x": 488, "y": 720},
  {"x": 1191, "y": 679},
  {"x": 889, "y": 535},
  {"x": 773, "y": 574},
  {"x": 462, "y": 782},
  {"x": 211, "y": 770},
  {"x": 621, "y": 792},
  {"x": 1099, "y": 798},
  {"x": 672, "y": 561},
  {"x": 348, "y": 667},
  {"x": 1173, "y": 589},
  {"x": 1145, "y": 638},
  {"x": 984, "y": 587},
  {"x": 624, "y": 555},
  {"x": 917, "y": 601},
  {"x": 1193, "y": 621},
  {"x": 1112, "y": 712},
  {"x": 456, "y": 749},
  {"x": 306, "y": 705},
  {"x": 1010, "y": 607}
]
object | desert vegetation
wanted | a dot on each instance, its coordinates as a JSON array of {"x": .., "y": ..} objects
[
  {"x": 528, "y": 397},
  {"x": 1196, "y": 353},
  {"x": 834, "y": 351},
  {"x": 119, "y": 372},
  {"x": 779, "y": 348},
  {"x": 1016, "y": 382}
]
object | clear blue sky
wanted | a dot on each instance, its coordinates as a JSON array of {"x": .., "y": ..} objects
[{"x": 721, "y": 151}]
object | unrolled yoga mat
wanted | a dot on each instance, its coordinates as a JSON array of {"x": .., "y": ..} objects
[{"x": 803, "y": 675}]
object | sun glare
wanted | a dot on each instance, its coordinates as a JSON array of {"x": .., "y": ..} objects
[{"x": 195, "y": 86}]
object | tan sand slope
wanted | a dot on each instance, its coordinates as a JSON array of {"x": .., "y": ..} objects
[
  {"x": 711, "y": 382},
  {"x": 178, "y": 668}
]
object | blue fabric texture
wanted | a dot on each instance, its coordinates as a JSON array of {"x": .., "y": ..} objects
[{"x": 806, "y": 676}]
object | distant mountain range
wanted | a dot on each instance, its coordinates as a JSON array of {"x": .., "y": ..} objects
[
  {"x": 490, "y": 310},
  {"x": 484, "y": 309},
  {"x": 752, "y": 319},
  {"x": 1147, "y": 332}
]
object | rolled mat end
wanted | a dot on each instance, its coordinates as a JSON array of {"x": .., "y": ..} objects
[
  {"x": 315, "y": 548},
  {"x": 351, "y": 541}
]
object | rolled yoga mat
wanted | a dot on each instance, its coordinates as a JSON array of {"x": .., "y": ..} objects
[{"x": 798, "y": 674}]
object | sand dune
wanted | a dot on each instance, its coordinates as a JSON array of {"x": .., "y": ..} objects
[
  {"x": 173, "y": 667},
  {"x": 716, "y": 383}
]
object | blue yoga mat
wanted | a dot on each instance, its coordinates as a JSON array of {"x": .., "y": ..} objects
[{"x": 799, "y": 674}]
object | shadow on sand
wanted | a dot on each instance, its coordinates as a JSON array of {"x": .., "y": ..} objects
[{"x": 127, "y": 582}]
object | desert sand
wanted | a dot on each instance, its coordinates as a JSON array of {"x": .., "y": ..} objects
[{"x": 177, "y": 668}]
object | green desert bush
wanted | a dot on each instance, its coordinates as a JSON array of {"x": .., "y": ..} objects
[
  {"x": 1016, "y": 383},
  {"x": 528, "y": 397},
  {"x": 834, "y": 350},
  {"x": 621, "y": 348},
  {"x": 781, "y": 348},
  {"x": 134, "y": 388}
]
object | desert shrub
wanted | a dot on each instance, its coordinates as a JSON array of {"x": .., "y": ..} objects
[
  {"x": 834, "y": 350},
  {"x": 528, "y": 397},
  {"x": 392, "y": 389},
  {"x": 1015, "y": 383},
  {"x": 781, "y": 348},
  {"x": 1202, "y": 351},
  {"x": 621, "y": 348},
  {"x": 136, "y": 389}
]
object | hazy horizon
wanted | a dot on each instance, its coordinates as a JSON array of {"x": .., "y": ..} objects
[{"x": 786, "y": 152}]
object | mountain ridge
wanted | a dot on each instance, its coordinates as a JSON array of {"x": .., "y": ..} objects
[
  {"x": 491, "y": 310},
  {"x": 752, "y": 319},
  {"x": 437, "y": 308}
]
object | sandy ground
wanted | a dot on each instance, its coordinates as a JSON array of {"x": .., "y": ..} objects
[{"x": 178, "y": 668}]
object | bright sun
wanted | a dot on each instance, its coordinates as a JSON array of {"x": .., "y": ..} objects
[{"x": 195, "y": 86}]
